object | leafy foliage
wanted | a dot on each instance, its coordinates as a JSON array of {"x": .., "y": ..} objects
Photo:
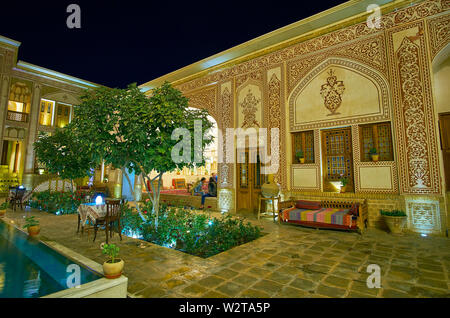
[
  {"x": 127, "y": 129},
  {"x": 373, "y": 151},
  {"x": 112, "y": 250},
  {"x": 393, "y": 213},
  {"x": 58, "y": 201},
  {"x": 63, "y": 154},
  {"x": 4, "y": 205},
  {"x": 30, "y": 221},
  {"x": 191, "y": 232}
]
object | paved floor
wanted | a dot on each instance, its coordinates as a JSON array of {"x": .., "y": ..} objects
[{"x": 290, "y": 261}]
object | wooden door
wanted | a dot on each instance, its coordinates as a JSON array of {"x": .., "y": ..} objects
[
  {"x": 249, "y": 181},
  {"x": 444, "y": 127},
  {"x": 337, "y": 157}
]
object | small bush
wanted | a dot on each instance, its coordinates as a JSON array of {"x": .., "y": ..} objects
[
  {"x": 57, "y": 202},
  {"x": 393, "y": 213},
  {"x": 191, "y": 232}
]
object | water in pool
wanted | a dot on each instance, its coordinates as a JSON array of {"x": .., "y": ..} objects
[{"x": 30, "y": 269}]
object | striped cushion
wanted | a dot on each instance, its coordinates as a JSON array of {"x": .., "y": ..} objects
[{"x": 323, "y": 215}]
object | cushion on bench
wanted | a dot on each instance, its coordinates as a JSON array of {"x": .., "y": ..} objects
[
  {"x": 308, "y": 205},
  {"x": 322, "y": 215}
]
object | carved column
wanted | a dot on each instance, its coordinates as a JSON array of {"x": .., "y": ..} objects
[
  {"x": 32, "y": 132},
  {"x": 225, "y": 170},
  {"x": 3, "y": 106}
]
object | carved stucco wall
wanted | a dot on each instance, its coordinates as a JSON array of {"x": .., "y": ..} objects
[{"x": 403, "y": 42}]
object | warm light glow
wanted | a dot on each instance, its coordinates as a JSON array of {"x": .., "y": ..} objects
[
  {"x": 337, "y": 185},
  {"x": 99, "y": 200}
]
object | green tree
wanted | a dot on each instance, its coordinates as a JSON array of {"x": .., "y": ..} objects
[
  {"x": 127, "y": 129},
  {"x": 62, "y": 154}
]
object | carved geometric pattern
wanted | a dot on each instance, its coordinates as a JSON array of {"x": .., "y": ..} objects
[
  {"x": 274, "y": 119},
  {"x": 369, "y": 51},
  {"x": 439, "y": 31},
  {"x": 205, "y": 99},
  {"x": 389, "y": 20},
  {"x": 248, "y": 108},
  {"x": 423, "y": 215},
  {"x": 225, "y": 170},
  {"x": 370, "y": 73},
  {"x": 415, "y": 123},
  {"x": 331, "y": 92}
]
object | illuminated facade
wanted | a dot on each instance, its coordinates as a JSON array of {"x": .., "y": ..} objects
[
  {"x": 336, "y": 91},
  {"x": 32, "y": 100}
]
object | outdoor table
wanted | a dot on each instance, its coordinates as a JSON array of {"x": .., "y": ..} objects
[{"x": 92, "y": 211}]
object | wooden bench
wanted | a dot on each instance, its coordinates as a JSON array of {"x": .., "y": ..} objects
[{"x": 361, "y": 217}]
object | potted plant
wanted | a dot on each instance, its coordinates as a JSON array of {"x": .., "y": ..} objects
[
  {"x": 113, "y": 267},
  {"x": 300, "y": 156},
  {"x": 3, "y": 208},
  {"x": 32, "y": 225},
  {"x": 344, "y": 182},
  {"x": 395, "y": 220},
  {"x": 374, "y": 154}
]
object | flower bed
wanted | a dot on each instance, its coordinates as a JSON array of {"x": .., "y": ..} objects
[
  {"x": 57, "y": 202},
  {"x": 191, "y": 232}
]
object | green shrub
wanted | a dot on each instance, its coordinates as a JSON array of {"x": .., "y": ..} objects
[
  {"x": 393, "y": 213},
  {"x": 57, "y": 202},
  {"x": 197, "y": 233},
  {"x": 30, "y": 221}
]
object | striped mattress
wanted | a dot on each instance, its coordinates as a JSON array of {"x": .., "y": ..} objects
[{"x": 323, "y": 215}]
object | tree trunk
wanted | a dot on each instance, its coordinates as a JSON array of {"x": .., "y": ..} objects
[
  {"x": 155, "y": 197},
  {"x": 124, "y": 171}
]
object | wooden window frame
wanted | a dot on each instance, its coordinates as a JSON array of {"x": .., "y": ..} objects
[
  {"x": 375, "y": 140},
  {"x": 303, "y": 136}
]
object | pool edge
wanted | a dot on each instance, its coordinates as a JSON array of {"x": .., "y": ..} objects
[{"x": 100, "y": 288}]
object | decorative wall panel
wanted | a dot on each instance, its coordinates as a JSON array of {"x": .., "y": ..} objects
[
  {"x": 423, "y": 215},
  {"x": 308, "y": 105},
  {"x": 439, "y": 33},
  {"x": 415, "y": 122},
  {"x": 275, "y": 115}
]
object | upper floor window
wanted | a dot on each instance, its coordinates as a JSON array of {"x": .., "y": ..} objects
[
  {"x": 63, "y": 115},
  {"x": 303, "y": 145},
  {"x": 46, "y": 112},
  {"x": 376, "y": 138}
]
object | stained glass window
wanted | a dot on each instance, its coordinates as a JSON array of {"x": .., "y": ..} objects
[
  {"x": 376, "y": 136},
  {"x": 304, "y": 141}
]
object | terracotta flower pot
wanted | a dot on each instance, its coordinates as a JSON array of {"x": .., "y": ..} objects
[
  {"x": 2, "y": 212},
  {"x": 113, "y": 270},
  {"x": 33, "y": 230},
  {"x": 395, "y": 223},
  {"x": 375, "y": 158}
]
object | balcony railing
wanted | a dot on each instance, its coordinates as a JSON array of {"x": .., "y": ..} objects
[{"x": 17, "y": 116}]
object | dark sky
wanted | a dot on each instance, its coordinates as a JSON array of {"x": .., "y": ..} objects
[{"x": 127, "y": 41}]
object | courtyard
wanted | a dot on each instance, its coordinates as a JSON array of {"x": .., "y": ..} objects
[{"x": 289, "y": 261}]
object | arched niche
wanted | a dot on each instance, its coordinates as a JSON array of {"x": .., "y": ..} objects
[
  {"x": 441, "y": 80},
  {"x": 339, "y": 92}
]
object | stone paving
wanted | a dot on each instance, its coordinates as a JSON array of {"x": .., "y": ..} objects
[{"x": 290, "y": 261}]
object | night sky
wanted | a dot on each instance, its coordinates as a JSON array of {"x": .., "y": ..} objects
[{"x": 122, "y": 42}]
